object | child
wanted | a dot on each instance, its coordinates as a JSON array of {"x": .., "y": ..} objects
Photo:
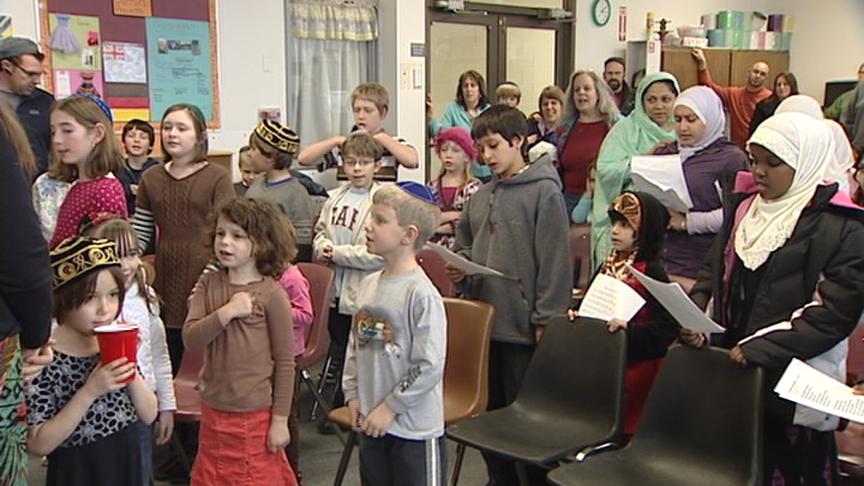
[
  {"x": 581, "y": 213},
  {"x": 272, "y": 149},
  {"x": 241, "y": 319},
  {"x": 138, "y": 139},
  {"x": 141, "y": 307},
  {"x": 177, "y": 196},
  {"x": 369, "y": 104},
  {"x": 455, "y": 183},
  {"x": 82, "y": 414},
  {"x": 508, "y": 94},
  {"x": 247, "y": 172},
  {"x": 517, "y": 225},
  {"x": 86, "y": 153},
  {"x": 340, "y": 239},
  {"x": 394, "y": 366},
  {"x": 638, "y": 229}
]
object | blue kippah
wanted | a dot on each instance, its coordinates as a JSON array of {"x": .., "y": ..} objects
[
  {"x": 417, "y": 190},
  {"x": 100, "y": 103}
]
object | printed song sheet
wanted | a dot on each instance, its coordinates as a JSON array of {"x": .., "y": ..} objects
[
  {"x": 678, "y": 303},
  {"x": 609, "y": 298},
  {"x": 810, "y": 387}
]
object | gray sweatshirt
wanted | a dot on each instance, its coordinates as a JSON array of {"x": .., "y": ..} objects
[
  {"x": 519, "y": 227},
  {"x": 396, "y": 352}
]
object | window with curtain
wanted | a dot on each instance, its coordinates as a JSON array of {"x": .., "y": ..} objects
[{"x": 331, "y": 48}]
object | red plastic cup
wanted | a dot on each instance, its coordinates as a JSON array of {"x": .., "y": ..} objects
[{"x": 118, "y": 341}]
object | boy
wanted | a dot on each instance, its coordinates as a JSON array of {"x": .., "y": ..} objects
[
  {"x": 394, "y": 366},
  {"x": 340, "y": 241},
  {"x": 369, "y": 105},
  {"x": 272, "y": 149},
  {"x": 247, "y": 173},
  {"x": 138, "y": 140},
  {"x": 508, "y": 94},
  {"x": 515, "y": 224}
]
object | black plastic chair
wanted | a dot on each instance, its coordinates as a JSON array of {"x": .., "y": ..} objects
[
  {"x": 702, "y": 424},
  {"x": 571, "y": 398}
]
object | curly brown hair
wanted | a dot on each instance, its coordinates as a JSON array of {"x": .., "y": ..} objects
[{"x": 274, "y": 241}]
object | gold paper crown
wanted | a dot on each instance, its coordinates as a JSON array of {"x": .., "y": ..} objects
[
  {"x": 278, "y": 136},
  {"x": 77, "y": 256}
]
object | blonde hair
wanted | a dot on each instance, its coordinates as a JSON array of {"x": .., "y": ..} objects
[
  {"x": 605, "y": 99},
  {"x": 410, "y": 211},
  {"x": 373, "y": 92},
  {"x": 361, "y": 144},
  {"x": 508, "y": 89},
  {"x": 104, "y": 158}
]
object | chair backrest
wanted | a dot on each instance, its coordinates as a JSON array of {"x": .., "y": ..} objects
[
  {"x": 466, "y": 371},
  {"x": 706, "y": 412},
  {"x": 855, "y": 361},
  {"x": 436, "y": 269},
  {"x": 578, "y": 370},
  {"x": 190, "y": 368},
  {"x": 320, "y": 279},
  {"x": 580, "y": 252}
]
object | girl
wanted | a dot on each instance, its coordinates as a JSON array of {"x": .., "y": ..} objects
[
  {"x": 471, "y": 100},
  {"x": 581, "y": 214},
  {"x": 786, "y": 279},
  {"x": 709, "y": 160},
  {"x": 455, "y": 184},
  {"x": 85, "y": 156},
  {"x": 638, "y": 227},
  {"x": 590, "y": 112},
  {"x": 177, "y": 196},
  {"x": 785, "y": 85},
  {"x": 648, "y": 125},
  {"x": 141, "y": 307},
  {"x": 82, "y": 414},
  {"x": 241, "y": 318}
]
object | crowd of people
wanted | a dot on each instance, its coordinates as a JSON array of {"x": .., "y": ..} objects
[{"x": 769, "y": 247}]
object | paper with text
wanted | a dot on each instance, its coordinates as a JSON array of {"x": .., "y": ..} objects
[
  {"x": 678, "y": 303},
  {"x": 609, "y": 298},
  {"x": 467, "y": 266},
  {"x": 810, "y": 387},
  {"x": 662, "y": 176}
]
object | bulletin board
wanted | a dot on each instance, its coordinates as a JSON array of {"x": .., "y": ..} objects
[{"x": 140, "y": 56}]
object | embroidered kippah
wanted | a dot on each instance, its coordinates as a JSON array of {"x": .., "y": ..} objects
[
  {"x": 417, "y": 190},
  {"x": 77, "y": 256},
  {"x": 100, "y": 103},
  {"x": 278, "y": 136}
]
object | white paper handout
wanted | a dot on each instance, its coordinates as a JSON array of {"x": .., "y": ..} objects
[
  {"x": 678, "y": 303},
  {"x": 810, "y": 387},
  {"x": 467, "y": 266},
  {"x": 662, "y": 176},
  {"x": 609, "y": 298}
]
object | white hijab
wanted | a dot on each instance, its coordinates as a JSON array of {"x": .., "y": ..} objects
[
  {"x": 840, "y": 168},
  {"x": 705, "y": 103},
  {"x": 806, "y": 145}
]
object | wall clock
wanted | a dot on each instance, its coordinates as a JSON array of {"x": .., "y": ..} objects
[{"x": 601, "y": 12}]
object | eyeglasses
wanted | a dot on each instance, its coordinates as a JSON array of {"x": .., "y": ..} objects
[
  {"x": 31, "y": 74},
  {"x": 358, "y": 162}
]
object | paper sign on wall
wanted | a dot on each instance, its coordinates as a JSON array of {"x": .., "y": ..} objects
[{"x": 124, "y": 62}]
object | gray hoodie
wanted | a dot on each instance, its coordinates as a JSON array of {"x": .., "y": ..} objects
[{"x": 519, "y": 227}]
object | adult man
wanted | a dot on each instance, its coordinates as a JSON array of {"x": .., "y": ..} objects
[
  {"x": 614, "y": 75},
  {"x": 853, "y": 120},
  {"x": 740, "y": 101},
  {"x": 20, "y": 73},
  {"x": 838, "y": 108}
]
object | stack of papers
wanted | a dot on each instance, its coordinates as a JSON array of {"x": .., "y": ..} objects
[
  {"x": 810, "y": 387},
  {"x": 678, "y": 303},
  {"x": 608, "y": 299},
  {"x": 662, "y": 176}
]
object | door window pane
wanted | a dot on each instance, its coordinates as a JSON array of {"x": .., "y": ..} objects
[
  {"x": 525, "y": 3},
  {"x": 530, "y": 63}
]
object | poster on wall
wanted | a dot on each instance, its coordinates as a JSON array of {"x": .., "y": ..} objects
[
  {"x": 5, "y": 26},
  {"x": 75, "y": 42},
  {"x": 133, "y": 8},
  {"x": 124, "y": 62},
  {"x": 178, "y": 64},
  {"x": 74, "y": 81}
]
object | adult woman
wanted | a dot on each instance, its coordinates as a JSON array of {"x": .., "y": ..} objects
[
  {"x": 25, "y": 294},
  {"x": 786, "y": 278},
  {"x": 709, "y": 159},
  {"x": 549, "y": 107},
  {"x": 649, "y": 124},
  {"x": 471, "y": 100},
  {"x": 785, "y": 85},
  {"x": 590, "y": 112}
]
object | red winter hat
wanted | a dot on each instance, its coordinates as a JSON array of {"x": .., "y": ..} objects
[{"x": 460, "y": 137}]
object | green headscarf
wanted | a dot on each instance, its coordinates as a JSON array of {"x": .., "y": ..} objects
[{"x": 634, "y": 135}]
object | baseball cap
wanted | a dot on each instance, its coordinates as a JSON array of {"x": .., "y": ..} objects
[{"x": 19, "y": 46}]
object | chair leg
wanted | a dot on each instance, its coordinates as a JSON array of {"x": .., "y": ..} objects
[
  {"x": 184, "y": 458},
  {"x": 322, "y": 380},
  {"x": 346, "y": 458},
  {"x": 457, "y": 464},
  {"x": 522, "y": 474}
]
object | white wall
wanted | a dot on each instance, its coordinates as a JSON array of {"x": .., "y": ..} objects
[
  {"x": 827, "y": 43},
  {"x": 25, "y": 20}
]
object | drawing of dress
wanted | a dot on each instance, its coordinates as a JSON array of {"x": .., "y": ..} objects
[{"x": 63, "y": 39}]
